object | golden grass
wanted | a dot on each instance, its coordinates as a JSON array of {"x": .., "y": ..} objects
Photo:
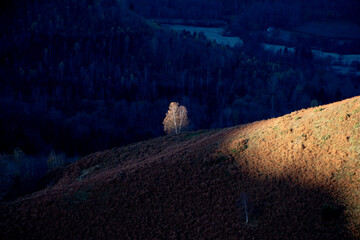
[
  {"x": 317, "y": 148},
  {"x": 298, "y": 172}
]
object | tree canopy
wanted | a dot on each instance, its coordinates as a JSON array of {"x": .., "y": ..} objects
[{"x": 176, "y": 119}]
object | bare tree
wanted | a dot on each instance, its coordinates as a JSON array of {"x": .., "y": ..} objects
[{"x": 176, "y": 118}]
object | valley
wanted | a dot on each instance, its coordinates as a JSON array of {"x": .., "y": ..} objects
[
  {"x": 342, "y": 64},
  {"x": 180, "y": 119}
]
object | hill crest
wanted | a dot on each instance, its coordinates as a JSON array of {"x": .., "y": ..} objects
[{"x": 298, "y": 174}]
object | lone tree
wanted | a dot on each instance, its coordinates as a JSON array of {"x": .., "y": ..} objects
[{"x": 176, "y": 118}]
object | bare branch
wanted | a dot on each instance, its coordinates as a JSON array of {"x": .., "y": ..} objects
[{"x": 176, "y": 119}]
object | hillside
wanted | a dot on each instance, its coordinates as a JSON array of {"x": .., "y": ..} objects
[
  {"x": 298, "y": 173},
  {"x": 83, "y": 76},
  {"x": 88, "y": 75}
]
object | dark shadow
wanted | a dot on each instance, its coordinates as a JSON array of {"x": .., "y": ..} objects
[{"x": 188, "y": 199}]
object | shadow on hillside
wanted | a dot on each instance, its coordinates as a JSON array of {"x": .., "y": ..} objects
[
  {"x": 282, "y": 210},
  {"x": 189, "y": 199}
]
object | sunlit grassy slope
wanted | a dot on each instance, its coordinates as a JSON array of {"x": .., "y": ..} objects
[
  {"x": 298, "y": 174},
  {"x": 316, "y": 148}
]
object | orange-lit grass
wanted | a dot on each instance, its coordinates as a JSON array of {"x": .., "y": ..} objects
[
  {"x": 191, "y": 183},
  {"x": 314, "y": 148}
]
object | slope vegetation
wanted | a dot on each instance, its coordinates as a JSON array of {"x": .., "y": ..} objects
[{"x": 298, "y": 175}]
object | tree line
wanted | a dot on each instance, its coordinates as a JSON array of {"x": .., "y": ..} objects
[{"x": 82, "y": 76}]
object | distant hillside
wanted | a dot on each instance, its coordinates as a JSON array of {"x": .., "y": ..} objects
[
  {"x": 258, "y": 12},
  {"x": 82, "y": 76},
  {"x": 88, "y": 75},
  {"x": 298, "y": 174}
]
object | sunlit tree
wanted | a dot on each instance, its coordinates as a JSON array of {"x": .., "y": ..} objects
[{"x": 176, "y": 118}]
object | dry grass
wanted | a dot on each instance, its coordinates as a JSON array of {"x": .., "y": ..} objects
[
  {"x": 299, "y": 173},
  {"x": 314, "y": 148}
]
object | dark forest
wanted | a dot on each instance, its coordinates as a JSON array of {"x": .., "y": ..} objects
[{"x": 81, "y": 76}]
